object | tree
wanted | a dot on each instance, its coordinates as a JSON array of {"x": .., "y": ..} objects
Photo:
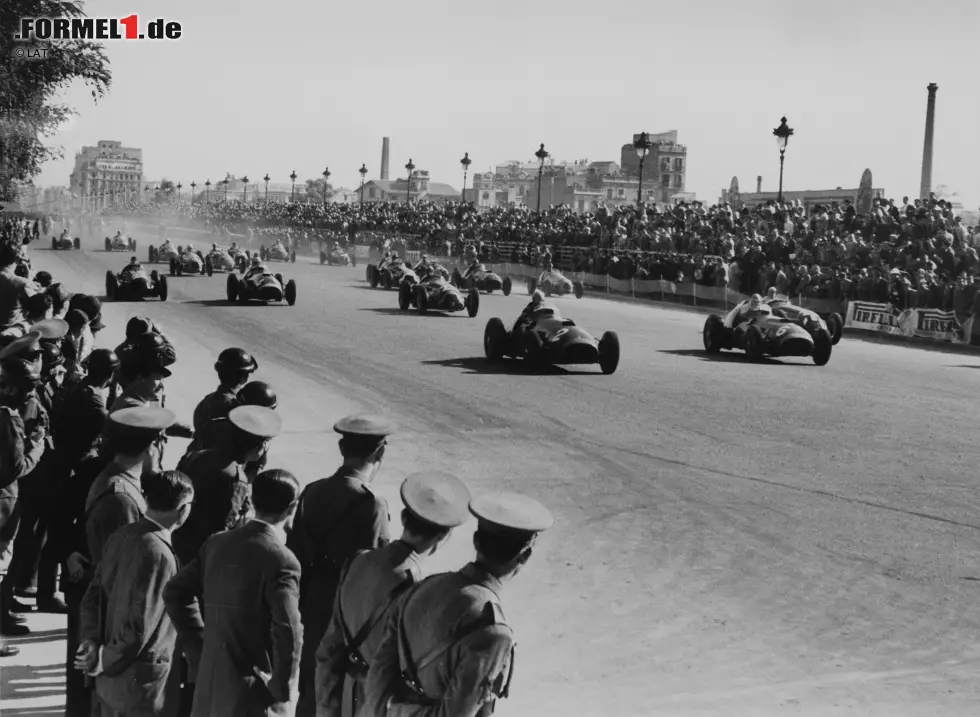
[
  {"x": 30, "y": 113},
  {"x": 314, "y": 191}
]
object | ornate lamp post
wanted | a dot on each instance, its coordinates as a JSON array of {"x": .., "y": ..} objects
[
  {"x": 179, "y": 187},
  {"x": 642, "y": 146},
  {"x": 292, "y": 193},
  {"x": 245, "y": 190},
  {"x": 326, "y": 178},
  {"x": 193, "y": 187},
  {"x": 363, "y": 172},
  {"x": 541, "y": 155},
  {"x": 207, "y": 191},
  {"x": 225, "y": 182},
  {"x": 466, "y": 162},
  {"x": 409, "y": 168},
  {"x": 782, "y": 134},
  {"x": 266, "y": 180}
]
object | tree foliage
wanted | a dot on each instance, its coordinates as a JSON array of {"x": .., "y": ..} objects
[
  {"x": 313, "y": 191},
  {"x": 30, "y": 110}
]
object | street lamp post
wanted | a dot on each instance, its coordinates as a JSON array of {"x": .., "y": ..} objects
[
  {"x": 782, "y": 134},
  {"x": 207, "y": 191},
  {"x": 266, "y": 180},
  {"x": 409, "y": 168},
  {"x": 642, "y": 146},
  {"x": 245, "y": 190},
  {"x": 326, "y": 178},
  {"x": 466, "y": 162},
  {"x": 179, "y": 187},
  {"x": 363, "y": 173},
  {"x": 292, "y": 193},
  {"x": 193, "y": 187},
  {"x": 225, "y": 182},
  {"x": 541, "y": 155}
]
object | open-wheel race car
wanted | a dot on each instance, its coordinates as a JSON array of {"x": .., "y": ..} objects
[
  {"x": 543, "y": 338},
  {"x": 190, "y": 261},
  {"x": 276, "y": 252},
  {"x": 66, "y": 243},
  {"x": 260, "y": 284},
  {"x": 834, "y": 324},
  {"x": 390, "y": 274},
  {"x": 223, "y": 261},
  {"x": 338, "y": 256},
  {"x": 120, "y": 243},
  {"x": 162, "y": 254},
  {"x": 553, "y": 282},
  {"x": 435, "y": 293},
  {"x": 482, "y": 280},
  {"x": 766, "y": 334},
  {"x": 134, "y": 283}
]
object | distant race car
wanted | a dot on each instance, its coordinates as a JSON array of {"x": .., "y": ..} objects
[
  {"x": 238, "y": 255},
  {"x": 834, "y": 324},
  {"x": 222, "y": 261},
  {"x": 277, "y": 252},
  {"x": 190, "y": 262},
  {"x": 135, "y": 284},
  {"x": 482, "y": 280},
  {"x": 550, "y": 340},
  {"x": 260, "y": 286},
  {"x": 554, "y": 282},
  {"x": 391, "y": 275},
  {"x": 66, "y": 243},
  {"x": 120, "y": 243},
  {"x": 338, "y": 256},
  {"x": 162, "y": 254},
  {"x": 766, "y": 335},
  {"x": 436, "y": 294}
]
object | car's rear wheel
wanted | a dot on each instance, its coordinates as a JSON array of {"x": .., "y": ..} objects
[
  {"x": 292, "y": 257},
  {"x": 374, "y": 276},
  {"x": 231, "y": 287},
  {"x": 108, "y": 244},
  {"x": 154, "y": 276},
  {"x": 507, "y": 286},
  {"x": 162, "y": 288},
  {"x": 532, "y": 284},
  {"x": 386, "y": 276},
  {"x": 323, "y": 258},
  {"x": 180, "y": 268},
  {"x": 404, "y": 297},
  {"x": 173, "y": 267},
  {"x": 54, "y": 243},
  {"x": 290, "y": 292},
  {"x": 714, "y": 327},
  {"x": 835, "y": 325},
  {"x": 421, "y": 299},
  {"x": 132, "y": 245},
  {"x": 579, "y": 288},
  {"x": 495, "y": 340},
  {"x": 609, "y": 352},
  {"x": 823, "y": 346},
  {"x": 473, "y": 302},
  {"x": 77, "y": 243},
  {"x": 209, "y": 267},
  {"x": 111, "y": 285},
  {"x": 753, "y": 343}
]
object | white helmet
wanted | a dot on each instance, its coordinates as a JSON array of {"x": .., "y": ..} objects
[
  {"x": 755, "y": 302},
  {"x": 537, "y": 297}
]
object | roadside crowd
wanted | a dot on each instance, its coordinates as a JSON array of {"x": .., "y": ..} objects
[{"x": 221, "y": 588}]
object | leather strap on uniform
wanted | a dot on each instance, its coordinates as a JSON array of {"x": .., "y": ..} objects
[{"x": 354, "y": 643}]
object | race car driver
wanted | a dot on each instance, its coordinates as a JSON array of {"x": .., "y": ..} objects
[
  {"x": 473, "y": 268},
  {"x": 753, "y": 310},
  {"x": 527, "y": 319},
  {"x": 133, "y": 266},
  {"x": 278, "y": 247},
  {"x": 257, "y": 268}
]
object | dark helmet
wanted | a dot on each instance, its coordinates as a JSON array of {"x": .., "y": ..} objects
[
  {"x": 50, "y": 356},
  {"x": 138, "y": 325},
  {"x": 149, "y": 342},
  {"x": 102, "y": 362},
  {"x": 43, "y": 278},
  {"x": 257, "y": 393},
  {"x": 236, "y": 360},
  {"x": 20, "y": 369}
]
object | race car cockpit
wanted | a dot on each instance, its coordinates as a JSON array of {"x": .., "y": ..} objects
[
  {"x": 132, "y": 267},
  {"x": 473, "y": 268},
  {"x": 256, "y": 269},
  {"x": 751, "y": 309}
]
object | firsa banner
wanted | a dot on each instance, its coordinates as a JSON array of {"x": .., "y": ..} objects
[{"x": 923, "y": 323}]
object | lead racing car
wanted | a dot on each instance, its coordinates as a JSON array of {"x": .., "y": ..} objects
[
  {"x": 134, "y": 283},
  {"x": 542, "y": 338},
  {"x": 120, "y": 243},
  {"x": 478, "y": 277},
  {"x": 189, "y": 261},
  {"x": 391, "y": 273},
  {"x": 276, "y": 252},
  {"x": 260, "y": 284},
  {"x": 435, "y": 293},
  {"x": 338, "y": 256},
  {"x": 164, "y": 253},
  {"x": 552, "y": 281},
  {"x": 766, "y": 332},
  {"x": 64, "y": 242}
]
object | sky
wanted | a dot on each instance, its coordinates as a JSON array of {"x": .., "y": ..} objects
[{"x": 270, "y": 87}]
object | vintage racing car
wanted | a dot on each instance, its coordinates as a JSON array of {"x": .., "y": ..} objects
[
  {"x": 66, "y": 243},
  {"x": 554, "y": 282},
  {"x": 277, "y": 252},
  {"x": 766, "y": 335},
  {"x": 482, "y": 280},
  {"x": 134, "y": 283},
  {"x": 190, "y": 261},
  {"x": 163, "y": 254},
  {"x": 120, "y": 243},
  {"x": 338, "y": 256},
  {"x": 390, "y": 275},
  {"x": 547, "y": 339},
  {"x": 261, "y": 285},
  {"x": 435, "y": 293},
  {"x": 834, "y": 324},
  {"x": 220, "y": 260}
]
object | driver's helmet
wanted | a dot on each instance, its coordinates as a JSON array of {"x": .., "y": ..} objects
[
  {"x": 133, "y": 261},
  {"x": 214, "y": 247},
  {"x": 255, "y": 261},
  {"x": 537, "y": 298},
  {"x": 188, "y": 247},
  {"x": 119, "y": 233},
  {"x": 234, "y": 245},
  {"x": 755, "y": 303},
  {"x": 771, "y": 294}
]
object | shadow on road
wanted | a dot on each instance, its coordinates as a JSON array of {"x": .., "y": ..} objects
[
  {"x": 225, "y": 303},
  {"x": 411, "y": 312},
  {"x": 21, "y": 682},
  {"x": 511, "y": 367},
  {"x": 723, "y": 357},
  {"x": 963, "y": 365},
  {"x": 36, "y": 637}
]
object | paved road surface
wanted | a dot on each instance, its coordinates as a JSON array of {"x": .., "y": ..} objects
[{"x": 730, "y": 538}]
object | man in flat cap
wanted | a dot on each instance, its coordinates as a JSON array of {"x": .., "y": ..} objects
[
  {"x": 243, "y": 657},
  {"x": 219, "y": 479},
  {"x": 447, "y": 648},
  {"x": 336, "y": 517},
  {"x": 372, "y": 581}
]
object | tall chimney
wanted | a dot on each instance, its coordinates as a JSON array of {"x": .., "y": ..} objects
[
  {"x": 926, "y": 185},
  {"x": 384, "y": 158},
  {"x": 758, "y": 184}
]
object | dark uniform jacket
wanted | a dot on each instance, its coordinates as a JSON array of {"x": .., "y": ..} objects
[
  {"x": 114, "y": 500},
  {"x": 449, "y": 635},
  {"x": 336, "y": 517},
  {"x": 123, "y": 612},
  {"x": 79, "y": 423},
  {"x": 251, "y": 574},
  {"x": 18, "y": 457},
  {"x": 370, "y": 585},
  {"x": 221, "y": 499},
  {"x": 214, "y": 405}
]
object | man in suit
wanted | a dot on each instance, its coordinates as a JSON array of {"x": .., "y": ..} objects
[
  {"x": 446, "y": 647},
  {"x": 372, "y": 581},
  {"x": 337, "y": 516},
  {"x": 127, "y": 639},
  {"x": 244, "y": 657}
]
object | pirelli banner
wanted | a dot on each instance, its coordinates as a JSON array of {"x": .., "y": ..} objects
[{"x": 923, "y": 323}]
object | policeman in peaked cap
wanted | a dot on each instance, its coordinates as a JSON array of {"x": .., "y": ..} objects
[
  {"x": 53, "y": 330},
  {"x": 435, "y": 503},
  {"x": 336, "y": 517},
  {"x": 508, "y": 524},
  {"x": 26, "y": 347}
]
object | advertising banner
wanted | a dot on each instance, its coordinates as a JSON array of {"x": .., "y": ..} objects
[{"x": 922, "y": 323}]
